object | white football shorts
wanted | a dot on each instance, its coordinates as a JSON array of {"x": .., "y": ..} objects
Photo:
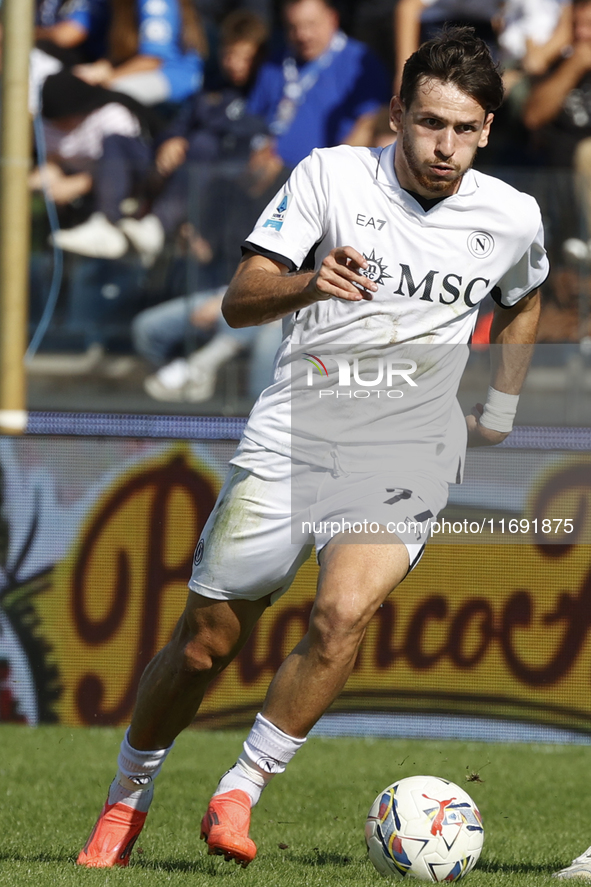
[{"x": 261, "y": 531}]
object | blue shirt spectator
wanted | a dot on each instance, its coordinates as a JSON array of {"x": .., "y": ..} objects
[
  {"x": 160, "y": 35},
  {"x": 94, "y": 17},
  {"x": 313, "y": 93},
  {"x": 91, "y": 17},
  {"x": 156, "y": 52}
]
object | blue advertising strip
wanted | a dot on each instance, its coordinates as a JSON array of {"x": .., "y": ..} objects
[
  {"x": 524, "y": 437},
  {"x": 542, "y": 437},
  {"x": 141, "y": 426}
]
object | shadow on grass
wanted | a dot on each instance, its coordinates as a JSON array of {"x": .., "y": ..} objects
[
  {"x": 43, "y": 856},
  {"x": 206, "y": 866},
  {"x": 496, "y": 867},
  {"x": 212, "y": 867},
  {"x": 215, "y": 866},
  {"x": 317, "y": 857}
]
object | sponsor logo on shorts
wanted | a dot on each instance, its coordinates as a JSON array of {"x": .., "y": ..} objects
[{"x": 198, "y": 556}]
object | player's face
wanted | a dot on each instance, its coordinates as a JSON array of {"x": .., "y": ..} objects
[{"x": 438, "y": 136}]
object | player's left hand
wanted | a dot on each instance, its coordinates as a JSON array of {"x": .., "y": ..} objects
[{"x": 479, "y": 435}]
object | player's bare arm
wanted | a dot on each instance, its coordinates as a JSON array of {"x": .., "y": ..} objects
[
  {"x": 513, "y": 336},
  {"x": 263, "y": 290}
]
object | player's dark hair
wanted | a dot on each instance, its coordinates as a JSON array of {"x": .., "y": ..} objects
[{"x": 457, "y": 56}]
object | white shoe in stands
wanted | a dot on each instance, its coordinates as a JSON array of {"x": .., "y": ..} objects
[
  {"x": 146, "y": 235},
  {"x": 96, "y": 238}
]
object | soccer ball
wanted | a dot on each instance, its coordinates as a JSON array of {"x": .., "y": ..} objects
[{"x": 425, "y": 827}]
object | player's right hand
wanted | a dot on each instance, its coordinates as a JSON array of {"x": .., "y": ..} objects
[{"x": 340, "y": 276}]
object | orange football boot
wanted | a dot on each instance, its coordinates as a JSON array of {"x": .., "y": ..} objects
[
  {"x": 111, "y": 841},
  {"x": 225, "y": 827}
]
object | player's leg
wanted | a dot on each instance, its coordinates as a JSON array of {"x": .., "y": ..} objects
[
  {"x": 354, "y": 580},
  {"x": 356, "y": 576},
  {"x": 236, "y": 571},
  {"x": 207, "y": 637}
]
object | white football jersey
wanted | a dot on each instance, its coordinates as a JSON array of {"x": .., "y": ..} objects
[{"x": 433, "y": 268}]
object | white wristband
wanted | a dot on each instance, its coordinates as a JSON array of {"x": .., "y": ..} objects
[{"x": 499, "y": 410}]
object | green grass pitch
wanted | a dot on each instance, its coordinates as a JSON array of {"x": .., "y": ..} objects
[{"x": 535, "y": 801}]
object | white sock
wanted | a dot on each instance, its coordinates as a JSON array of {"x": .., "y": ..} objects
[
  {"x": 137, "y": 770},
  {"x": 267, "y": 751}
]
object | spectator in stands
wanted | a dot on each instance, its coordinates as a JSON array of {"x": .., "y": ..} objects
[
  {"x": 418, "y": 20},
  {"x": 156, "y": 51},
  {"x": 74, "y": 145},
  {"x": 231, "y": 206},
  {"x": 559, "y": 112},
  {"x": 213, "y": 126},
  {"x": 526, "y": 36},
  {"x": 534, "y": 33},
  {"x": 529, "y": 34},
  {"x": 158, "y": 47},
  {"x": 194, "y": 325},
  {"x": 67, "y": 32},
  {"x": 320, "y": 87},
  {"x": 204, "y": 124},
  {"x": 72, "y": 31}
]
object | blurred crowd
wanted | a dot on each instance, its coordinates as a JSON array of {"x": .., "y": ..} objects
[{"x": 168, "y": 125}]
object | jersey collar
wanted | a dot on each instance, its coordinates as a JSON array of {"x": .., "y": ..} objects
[{"x": 386, "y": 177}]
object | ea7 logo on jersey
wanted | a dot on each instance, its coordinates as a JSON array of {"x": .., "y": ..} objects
[
  {"x": 481, "y": 244},
  {"x": 369, "y": 222},
  {"x": 375, "y": 270},
  {"x": 276, "y": 220}
]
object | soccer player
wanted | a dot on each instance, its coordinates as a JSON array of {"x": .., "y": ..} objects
[{"x": 406, "y": 241}]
